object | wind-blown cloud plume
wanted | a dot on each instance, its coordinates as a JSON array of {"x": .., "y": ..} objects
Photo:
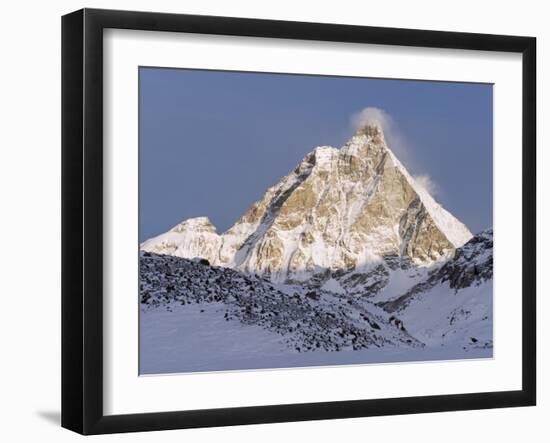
[
  {"x": 427, "y": 183},
  {"x": 396, "y": 142},
  {"x": 372, "y": 115}
]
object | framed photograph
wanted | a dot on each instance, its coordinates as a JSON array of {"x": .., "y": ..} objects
[{"x": 269, "y": 221}]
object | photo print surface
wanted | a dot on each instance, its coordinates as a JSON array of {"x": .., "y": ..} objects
[{"x": 292, "y": 220}]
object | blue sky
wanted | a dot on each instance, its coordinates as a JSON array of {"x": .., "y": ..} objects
[{"x": 212, "y": 142}]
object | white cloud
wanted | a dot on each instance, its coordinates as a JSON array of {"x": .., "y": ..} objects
[
  {"x": 396, "y": 142},
  {"x": 394, "y": 139},
  {"x": 427, "y": 183},
  {"x": 372, "y": 115}
]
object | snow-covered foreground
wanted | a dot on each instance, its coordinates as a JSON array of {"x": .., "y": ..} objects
[
  {"x": 197, "y": 338},
  {"x": 444, "y": 318},
  {"x": 197, "y": 317}
]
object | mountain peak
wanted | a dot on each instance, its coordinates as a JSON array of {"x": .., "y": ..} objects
[
  {"x": 338, "y": 210},
  {"x": 372, "y": 128},
  {"x": 195, "y": 224}
]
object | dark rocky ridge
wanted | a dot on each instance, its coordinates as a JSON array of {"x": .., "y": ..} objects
[
  {"x": 471, "y": 264},
  {"x": 308, "y": 321}
]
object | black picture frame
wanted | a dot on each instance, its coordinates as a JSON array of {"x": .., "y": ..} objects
[{"x": 82, "y": 219}]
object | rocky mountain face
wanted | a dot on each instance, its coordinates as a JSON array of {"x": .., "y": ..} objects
[{"x": 340, "y": 210}]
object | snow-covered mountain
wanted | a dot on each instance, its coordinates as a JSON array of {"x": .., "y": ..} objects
[
  {"x": 339, "y": 210},
  {"x": 346, "y": 252}
]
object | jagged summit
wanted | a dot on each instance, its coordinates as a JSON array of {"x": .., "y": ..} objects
[
  {"x": 196, "y": 224},
  {"x": 373, "y": 129},
  {"x": 339, "y": 209},
  {"x": 194, "y": 237}
]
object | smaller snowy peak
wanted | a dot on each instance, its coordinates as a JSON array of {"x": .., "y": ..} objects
[
  {"x": 195, "y": 224},
  {"x": 192, "y": 238}
]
